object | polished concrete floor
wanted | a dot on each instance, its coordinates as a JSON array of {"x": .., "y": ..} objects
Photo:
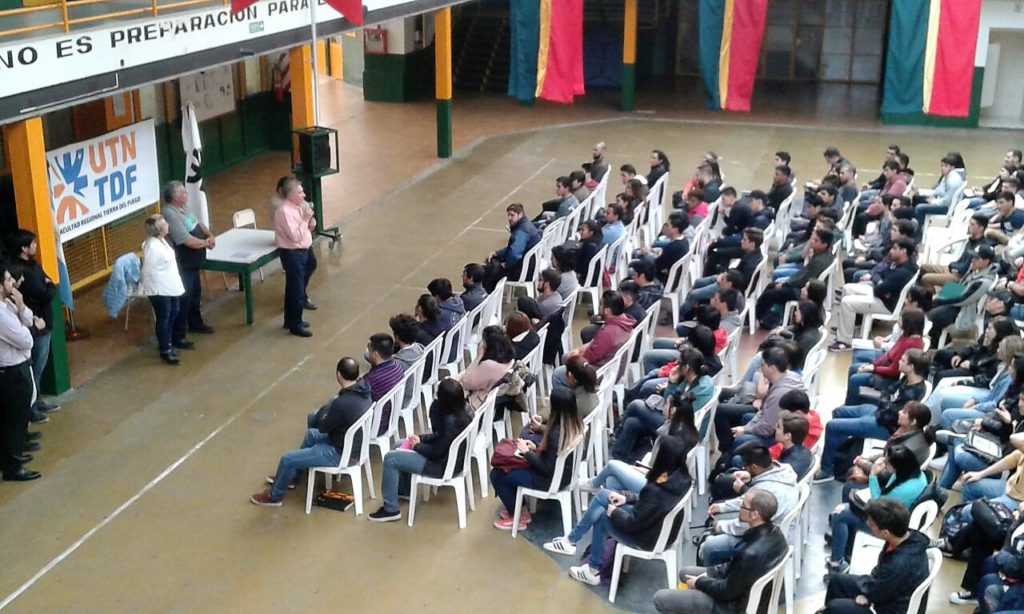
[{"x": 147, "y": 469}]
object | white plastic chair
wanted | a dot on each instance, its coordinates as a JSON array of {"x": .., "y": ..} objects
[
  {"x": 391, "y": 403},
  {"x": 431, "y": 360},
  {"x": 535, "y": 361},
  {"x": 705, "y": 415},
  {"x": 361, "y": 427},
  {"x": 562, "y": 495},
  {"x": 451, "y": 358},
  {"x": 482, "y": 444},
  {"x": 663, "y": 549},
  {"x": 758, "y": 282},
  {"x": 674, "y": 286},
  {"x": 774, "y": 578},
  {"x": 527, "y": 279},
  {"x": 455, "y": 476},
  {"x": 866, "y": 547},
  {"x": 244, "y": 218},
  {"x": 790, "y": 527},
  {"x": 472, "y": 328},
  {"x": 591, "y": 285},
  {"x": 870, "y": 318},
  {"x": 411, "y": 397},
  {"x": 934, "y": 566}
]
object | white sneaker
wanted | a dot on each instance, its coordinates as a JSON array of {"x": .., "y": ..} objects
[
  {"x": 585, "y": 574},
  {"x": 561, "y": 545}
]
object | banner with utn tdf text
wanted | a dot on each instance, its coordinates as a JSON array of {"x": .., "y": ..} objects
[{"x": 95, "y": 182}]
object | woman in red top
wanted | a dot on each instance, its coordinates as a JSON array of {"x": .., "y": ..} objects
[{"x": 885, "y": 370}]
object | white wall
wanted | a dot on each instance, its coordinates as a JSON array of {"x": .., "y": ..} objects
[
  {"x": 997, "y": 14},
  {"x": 1008, "y": 84}
]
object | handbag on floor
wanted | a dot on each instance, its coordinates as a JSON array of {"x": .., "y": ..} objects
[{"x": 334, "y": 500}]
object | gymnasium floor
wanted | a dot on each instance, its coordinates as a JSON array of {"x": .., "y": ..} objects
[{"x": 147, "y": 469}]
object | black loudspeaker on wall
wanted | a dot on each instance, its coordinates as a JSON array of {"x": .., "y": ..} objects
[{"x": 314, "y": 150}]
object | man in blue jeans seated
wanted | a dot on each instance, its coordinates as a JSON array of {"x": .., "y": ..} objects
[
  {"x": 705, "y": 287},
  {"x": 325, "y": 437}
]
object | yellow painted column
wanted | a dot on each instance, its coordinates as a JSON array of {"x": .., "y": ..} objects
[
  {"x": 300, "y": 64},
  {"x": 629, "y": 55},
  {"x": 321, "y": 57},
  {"x": 27, "y": 149},
  {"x": 443, "y": 80}
]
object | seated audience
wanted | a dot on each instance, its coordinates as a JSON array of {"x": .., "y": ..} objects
[
  {"x": 883, "y": 372},
  {"x": 902, "y": 564},
  {"x": 427, "y": 454},
  {"x": 325, "y": 434},
  {"x": 428, "y": 315},
  {"x": 520, "y": 331},
  {"x": 473, "y": 282},
  {"x": 738, "y": 423},
  {"x": 564, "y": 429},
  {"x": 631, "y": 518},
  {"x": 496, "y": 357},
  {"x": 508, "y": 261},
  {"x": 608, "y": 339},
  {"x": 726, "y": 587}
]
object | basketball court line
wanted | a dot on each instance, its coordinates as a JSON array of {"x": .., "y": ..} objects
[{"x": 57, "y": 560}]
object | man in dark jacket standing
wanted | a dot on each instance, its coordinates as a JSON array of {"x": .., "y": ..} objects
[
  {"x": 38, "y": 291},
  {"x": 725, "y": 588},
  {"x": 879, "y": 294},
  {"x": 325, "y": 437},
  {"x": 902, "y": 566}
]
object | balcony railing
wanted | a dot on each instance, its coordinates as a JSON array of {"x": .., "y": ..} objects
[{"x": 67, "y": 16}]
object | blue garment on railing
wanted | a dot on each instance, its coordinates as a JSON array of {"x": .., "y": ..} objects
[{"x": 124, "y": 275}]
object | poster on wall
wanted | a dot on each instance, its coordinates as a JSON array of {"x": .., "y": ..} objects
[
  {"x": 211, "y": 92},
  {"x": 95, "y": 182}
]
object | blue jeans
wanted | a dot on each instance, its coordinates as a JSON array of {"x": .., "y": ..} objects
[
  {"x": 595, "y": 519},
  {"x": 166, "y": 310},
  {"x": 752, "y": 368},
  {"x": 703, "y": 289},
  {"x": 845, "y": 525},
  {"x": 40, "y": 354},
  {"x": 993, "y": 489},
  {"x": 637, "y": 422},
  {"x": 866, "y": 196},
  {"x": 719, "y": 549},
  {"x": 990, "y": 488},
  {"x": 958, "y": 462},
  {"x": 663, "y": 353},
  {"x": 787, "y": 269},
  {"x": 644, "y": 387},
  {"x": 398, "y": 464},
  {"x": 293, "y": 261},
  {"x": 315, "y": 451},
  {"x": 949, "y": 416},
  {"x": 620, "y": 476},
  {"x": 506, "y": 484},
  {"x": 188, "y": 305},
  {"x": 920, "y": 211},
  {"x": 863, "y": 357},
  {"x": 853, "y": 387},
  {"x": 847, "y": 422},
  {"x": 952, "y": 397}
]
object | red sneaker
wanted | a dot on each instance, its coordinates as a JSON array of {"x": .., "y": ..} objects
[
  {"x": 505, "y": 524},
  {"x": 264, "y": 498}
]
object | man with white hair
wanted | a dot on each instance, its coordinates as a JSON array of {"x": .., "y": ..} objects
[
  {"x": 293, "y": 225},
  {"x": 190, "y": 239}
]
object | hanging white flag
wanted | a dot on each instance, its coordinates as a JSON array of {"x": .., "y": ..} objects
[{"x": 193, "y": 147}]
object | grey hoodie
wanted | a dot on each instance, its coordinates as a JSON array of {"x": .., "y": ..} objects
[
  {"x": 764, "y": 421},
  {"x": 781, "y": 481},
  {"x": 452, "y": 311}
]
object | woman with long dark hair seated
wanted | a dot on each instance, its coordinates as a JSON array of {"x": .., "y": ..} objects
[
  {"x": 632, "y": 519},
  {"x": 564, "y": 428},
  {"x": 428, "y": 454},
  {"x": 905, "y": 483}
]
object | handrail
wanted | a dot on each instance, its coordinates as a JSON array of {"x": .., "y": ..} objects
[{"x": 65, "y": 21}]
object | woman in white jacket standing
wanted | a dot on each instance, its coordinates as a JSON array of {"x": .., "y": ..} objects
[{"x": 161, "y": 283}]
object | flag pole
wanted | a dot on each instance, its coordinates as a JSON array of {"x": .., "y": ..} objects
[{"x": 316, "y": 92}]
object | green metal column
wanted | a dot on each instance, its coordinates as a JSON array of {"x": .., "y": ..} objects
[
  {"x": 443, "y": 80},
  {"x": 629, "y": 56}
]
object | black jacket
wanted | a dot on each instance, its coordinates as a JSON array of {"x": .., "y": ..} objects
[
  {"x": 777, "y": 194},
  {"x": 889, "y": 283},
  {"x": 340, "y": 413},
  {"x": 888, "y": 409},
  {"x": 643, "y": 521},
  {"x": 586, "y": 253},
  {"x": 897, "y": 573},
  {"x": 760, "y": 549},
  {"x": 525, "y": 345},
  {"x": 542, "y": 464},
  {"x": 748, "y": 264},
  {"x": 435, "y": 446},
  {"x": 38, "y": 291},
  {"x": 670, "y": 254},
  {"x": 815, "y": 266},
  {"x": 961, "y": 265},
  {"x": 655, "y": 175},
  {"x": 737, "y": 220}
]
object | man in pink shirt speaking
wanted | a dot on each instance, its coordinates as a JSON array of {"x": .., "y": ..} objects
[{"x": 293, "y": 223}]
